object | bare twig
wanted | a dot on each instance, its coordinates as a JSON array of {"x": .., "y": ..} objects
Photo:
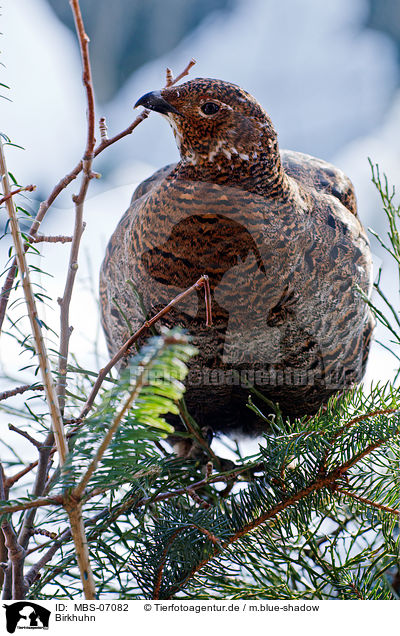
[
  {"x": 20, "y": 389},
  {"x": 44, "y": 533},
  {"x": 40, "y": 346},
  {"x": 52, "y": 239},
  {"x": 170, "y": 80},
  {"x": 60, "y": 186},
  {"x": 202, "y": 282},
  {"x": 10, "y": 481},
  {"x": 26, "y": 435},
  {"x": 15, "y": 552},
  {"x": 197, "y": 499},
  {"x": 73, "y": 506},
  {"x": 45, "y": 451},
  {"x": 35, "y": 503},
  {"x": 28, "y": 188},
  {"x": 103, "y": 129},
  {"x": 33, "y": 573},
  {"x": 87, "y": 82},
  {"x": 78, "y": 199},
  {"x": 56, "y": 420},
  {"x": 74, "y": 511}
]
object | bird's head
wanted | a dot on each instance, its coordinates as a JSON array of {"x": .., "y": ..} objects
[{"x": 214, "y": 122}]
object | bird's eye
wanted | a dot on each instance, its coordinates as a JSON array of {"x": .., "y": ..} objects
[{"x": 209, "y": 108}]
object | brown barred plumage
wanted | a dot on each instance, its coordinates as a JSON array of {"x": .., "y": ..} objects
[{"x": 277, "y": 233}]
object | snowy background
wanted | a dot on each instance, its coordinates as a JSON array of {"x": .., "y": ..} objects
[{"x": 329, "y": 82}]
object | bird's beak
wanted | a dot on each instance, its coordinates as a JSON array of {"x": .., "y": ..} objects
[{"x": 154, "y": 101}]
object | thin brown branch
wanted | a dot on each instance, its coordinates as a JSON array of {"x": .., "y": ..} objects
[
  {"x": 202, "y": 282},
  {"x": 15, "y": 552},
  {"x": 192, "y": 487},
  {"x": 58, "y": 188},
  {"x": 73, "y": 506},
  {"x": 52, "y": 239},
  {"x": 35, "y": 503},
  {"x": 74, "y": 511},
  {"x": 31, "y": 439},
  {"x": 44, "y": 206},
  {"x": 40, "y": 502},
  {"x": 105, "y": 143},
  {"x": 65, "y": 301},
  {"x": 210, "y": 536},
  {"x": 3, "y": 559},
  {"x": 88, "y": 84},
  {"x": 361, "y": 418},
  {"x": 33, "y": 574},
  {"x": 368, "y": 502},
  {"x": 103, "y": 129},
  {"x": 44, "y": 533},
  {"x": 171, "y": 80},
  {"x": 45, "y": 368},
  {"x": 158, "y": 580},
  {"x": 3, "y": 549},
  {"x": 28, "y": 188},
  {"x": 20, "y": 389},
  {"x": 87, "y": 160},
  {"x": 40, "y": 346},
  {"x": 45, "y": 452},
  {"x": 197, "y": 499}
]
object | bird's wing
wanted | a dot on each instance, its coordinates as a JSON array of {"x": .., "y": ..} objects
[
  {"x": 320, "y": 175},
  {"x": 152, "y": 182}
]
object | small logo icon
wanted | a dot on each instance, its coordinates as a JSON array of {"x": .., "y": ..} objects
[{"x": 26, "y": 615}]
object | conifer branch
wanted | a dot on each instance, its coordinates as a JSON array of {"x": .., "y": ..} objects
[
  {"x": 79, "y": 489},
  {"x": 368, "y": 502},
  {"x": 158, "y": 580},
  {"x": 327, "y": 481}
]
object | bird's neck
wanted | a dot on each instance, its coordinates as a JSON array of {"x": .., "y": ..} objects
[{"x": 258, "y": 169}]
